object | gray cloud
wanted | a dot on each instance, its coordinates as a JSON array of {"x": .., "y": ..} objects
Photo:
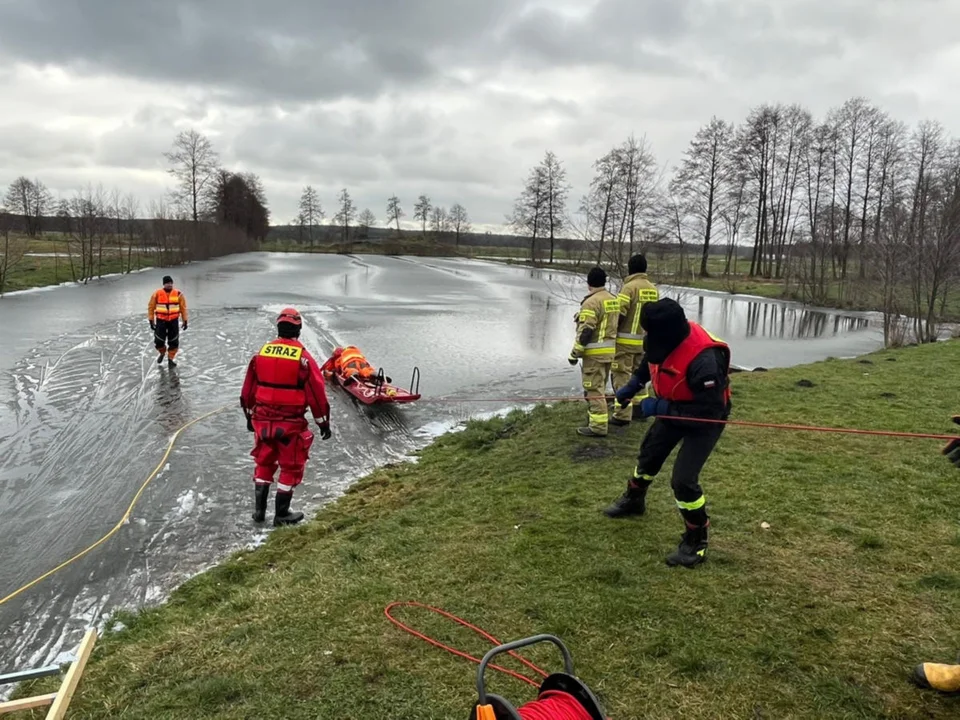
[{"x": 454, "y": 98}]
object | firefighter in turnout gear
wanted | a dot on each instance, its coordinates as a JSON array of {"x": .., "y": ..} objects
[
  {"x": 283, "y": 380},
  {"x": 690, "y": 372},
  {"x": 636, "y": 291},
  {"x": 595, "y": 347},
  {"x": 940, "y": 676},
  {"x": 165, "y": 309}
]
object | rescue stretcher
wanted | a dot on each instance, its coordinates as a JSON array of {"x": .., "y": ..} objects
[{"x": 378, "y": 391}]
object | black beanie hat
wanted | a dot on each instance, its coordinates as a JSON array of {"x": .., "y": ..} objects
[
  {"x": 597, "y": 277},
  {"x": 167, "y": 279},
  {"x": 637, "y": 264},
  {"x": 666, "y": 325}
]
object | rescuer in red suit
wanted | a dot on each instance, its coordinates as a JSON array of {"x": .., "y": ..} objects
[{"x": 282, "y": 380}]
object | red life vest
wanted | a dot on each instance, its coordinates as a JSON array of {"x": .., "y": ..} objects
[
  {"x": 282, "y": 373},
  {"x": 670, "y": 378}
]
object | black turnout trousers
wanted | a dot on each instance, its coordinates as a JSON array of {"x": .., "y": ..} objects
[
  {"x": 167, "y": 334},
  {"x": 696, "y": 443}
]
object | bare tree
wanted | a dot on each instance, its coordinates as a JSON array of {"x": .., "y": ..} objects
[
  {"x": 394, "y": 212},
  {"x": 529, "y": 208},
  {"x": 598, "y": 205},
  {"x": 556, "y": 189},
  {"x": 438, "y": 220},
  {"x": 311, "y": 212},
  {"x": 31, "y": 200},
  {"x": 421, "y": 211},
  {"x": 14, "y": 248},
  {"x": 367, "y": 219},
  {"x": 194, "y": 165},
  {"x": 700, "y": 178},
  {"x": 459, "y": 221},
  {"x": 345, "y": 213}
]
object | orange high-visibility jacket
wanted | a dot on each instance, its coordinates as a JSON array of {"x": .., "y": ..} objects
[{"x": 167, "y": 306}]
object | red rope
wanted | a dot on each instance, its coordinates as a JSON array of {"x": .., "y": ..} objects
[
  {"x": 554, "y": 705},
  {"x": 551, "y": 705},
  {"x": 743, "y": 423},
  {"x": 449, "y": 649}
]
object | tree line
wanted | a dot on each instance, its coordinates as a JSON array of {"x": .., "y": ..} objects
[
  {"x": 209, "y": 212},
  {"x": 850, "y": 206},
  {"x": 454, "y": 221}
]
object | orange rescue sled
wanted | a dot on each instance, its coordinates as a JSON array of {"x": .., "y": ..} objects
[{"x": 378, "y": 391}]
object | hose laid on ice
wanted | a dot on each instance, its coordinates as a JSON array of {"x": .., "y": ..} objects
[{"x": 126, "y": 515}]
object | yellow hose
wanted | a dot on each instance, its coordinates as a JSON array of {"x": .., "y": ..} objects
[{"x": 126, "y": 515}]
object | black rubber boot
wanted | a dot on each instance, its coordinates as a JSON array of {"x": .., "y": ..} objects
[
  {"x": 261, "y": 493},
  {"x": 160, "y": 357},
  {"x": 632, "y": 502},
  {"x": 692, "y": 549},
  {"x": 283, "y": 516},
  {"x": 171, "y": 362}
]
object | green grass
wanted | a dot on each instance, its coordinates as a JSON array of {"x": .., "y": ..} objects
[
  {"x": 822, "y": 615},
  {"x": 33, "y": 272}
]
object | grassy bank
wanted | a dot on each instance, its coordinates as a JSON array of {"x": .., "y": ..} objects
[
  {"x": 48, "y": 261},
  {"x": 821, "y": 615}
]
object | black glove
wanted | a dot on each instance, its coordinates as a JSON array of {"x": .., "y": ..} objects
[
  {"x": 952, "y": 448},
  {"x": 153, "y": 326},
  {"x": 388, "y": 379},
  {"x": 324, "y": 429},
  {"x": 572, "y": 360},
  {"x": 184, "y": 326},
  {"x": 249, "y": 421}
]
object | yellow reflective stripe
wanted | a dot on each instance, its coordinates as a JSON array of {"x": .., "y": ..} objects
[
  {"x": 599, "y": 418},
  {"x": 623, "y": 298},
  {"x": 587, "y": 313},
  {"x": 611, "y": 344},
  {"x": 637, "y": 475},
  {"x": 695, "y": 505},
  {"x": 644, "y": 296},
  {"x": 595, "y": 352}
]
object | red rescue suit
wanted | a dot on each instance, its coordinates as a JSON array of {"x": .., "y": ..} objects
[
  {"x": 670, "y": 378},
  {"x": 283, "y": 380}
]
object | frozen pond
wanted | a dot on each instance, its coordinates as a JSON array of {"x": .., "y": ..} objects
[{"x": 85, "y": 414}]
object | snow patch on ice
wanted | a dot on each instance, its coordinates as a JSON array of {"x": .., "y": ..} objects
[{"x": 436, "y": 429}]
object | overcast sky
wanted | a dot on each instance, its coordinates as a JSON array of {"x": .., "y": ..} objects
[{"x": 454, "y": 98}]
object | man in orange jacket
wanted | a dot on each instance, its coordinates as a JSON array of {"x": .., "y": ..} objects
[
  {"x": 350, "y": 364},
  {"x": 164, "y": 311},
  {"x": 282, "y": 380}
]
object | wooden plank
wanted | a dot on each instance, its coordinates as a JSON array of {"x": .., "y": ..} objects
[
  {"x": 26, "y": 703},
  {"x": 72, "y": 678}
]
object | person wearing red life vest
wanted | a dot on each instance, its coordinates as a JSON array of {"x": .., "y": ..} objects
[
  {"x": 282, "y": 381},
  {"x": 690, "y": 372}
]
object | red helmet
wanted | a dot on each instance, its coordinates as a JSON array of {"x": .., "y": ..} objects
[
  {"x": 337, "y": 351},
  {"x": 289, "y": 315}
]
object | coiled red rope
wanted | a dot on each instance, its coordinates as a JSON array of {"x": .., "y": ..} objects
[
  {"x": 551, "y": 705},
  {"x": 554, "y": 705}
]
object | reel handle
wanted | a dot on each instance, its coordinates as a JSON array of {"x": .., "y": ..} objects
[{"x": 525, "y": 642}]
